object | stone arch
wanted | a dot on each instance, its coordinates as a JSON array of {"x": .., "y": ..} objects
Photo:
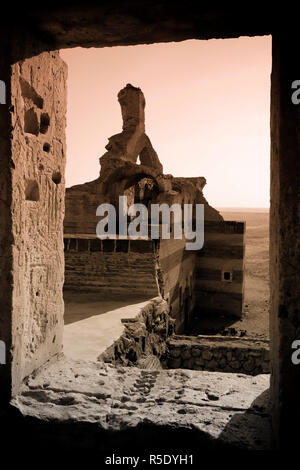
[{"x": 124, "y": 177}]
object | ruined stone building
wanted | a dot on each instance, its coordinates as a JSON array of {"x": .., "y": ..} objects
[
  {"x": 48, "y": 400},
  {"x": 210, "y": 279}
]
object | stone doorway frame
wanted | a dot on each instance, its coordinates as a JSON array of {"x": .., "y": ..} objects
[{"x": 108, "y": 28}]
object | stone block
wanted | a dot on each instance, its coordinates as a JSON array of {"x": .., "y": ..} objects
[
  {"x": 195, "y": 352},
  {"x": 175, "y": 352},
  {"x": 207, "y": 355},
  {"x": 249, "y": 365},
  {"x": 212, "y": 365},
  {"x": 186, "y": 353},
  {"x": 199, "y": 361},
  {"x": 235, "y": 365},
  {"x": 229, "y": 356},
  {"x": 174, "y": 363},
  {"x": 187, "y": 363}
]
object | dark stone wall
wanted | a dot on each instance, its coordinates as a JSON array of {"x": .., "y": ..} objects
[
  {"x": 285, "y": 238},
  {"x": 110, "y": 23}
]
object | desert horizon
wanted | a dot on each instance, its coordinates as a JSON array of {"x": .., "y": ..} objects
[{"x": 241, "y": 209}]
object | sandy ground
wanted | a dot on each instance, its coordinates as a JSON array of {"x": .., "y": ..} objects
[
  {"x": 93, "y": 324},
  {"x": 255, "y": 321}
]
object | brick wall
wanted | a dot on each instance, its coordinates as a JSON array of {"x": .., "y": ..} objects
[
  {"x": 210, "y": 280},
  {"x": 176, "y": 274},
  {"x": 110, "y": 267},
  {"x": 219, "y": 273}
]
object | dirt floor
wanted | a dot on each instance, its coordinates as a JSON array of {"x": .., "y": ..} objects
[{"x": 255, "y": 321}]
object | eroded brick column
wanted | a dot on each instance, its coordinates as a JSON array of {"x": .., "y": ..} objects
[{"x": 285, "y": 239}]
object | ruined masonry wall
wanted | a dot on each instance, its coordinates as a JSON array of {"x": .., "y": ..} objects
[
  {"x": 176, "y": 267},
  {"x": 38, "y": 105},
  {"x": 220, "y": 354},
  {"x": 143, "y": 342},
  {"x": 110, "y": 267},
  {"x": 82, "y": 201}
]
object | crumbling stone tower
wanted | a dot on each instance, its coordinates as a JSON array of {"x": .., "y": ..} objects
[{"x": 133, "y": 141}]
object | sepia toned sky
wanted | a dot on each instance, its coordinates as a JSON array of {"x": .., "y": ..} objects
[{"x": 207, "y": 111}]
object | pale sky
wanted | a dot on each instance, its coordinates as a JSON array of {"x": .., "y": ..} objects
[{"x": 207, "y": 111}]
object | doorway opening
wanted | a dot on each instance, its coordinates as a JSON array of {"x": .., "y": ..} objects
[{"x": 82, "y": 199}]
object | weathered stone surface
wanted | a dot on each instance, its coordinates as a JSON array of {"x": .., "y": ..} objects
[
  {"x": 229, "y": 408},
  {"x": 115, "y": 23},
  {"x": 32, "y": 293}
]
